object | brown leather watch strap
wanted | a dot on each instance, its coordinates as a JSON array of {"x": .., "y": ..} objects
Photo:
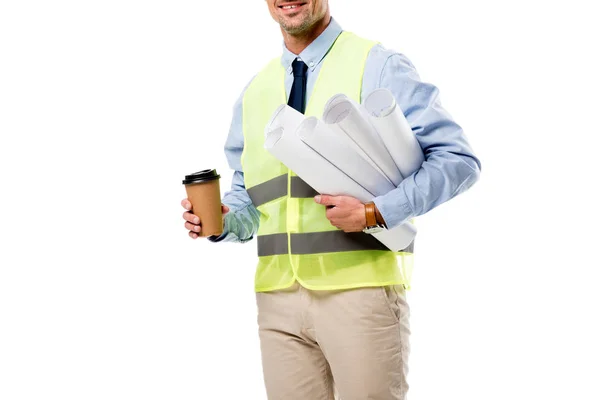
[{"x": 370, "y": 214}]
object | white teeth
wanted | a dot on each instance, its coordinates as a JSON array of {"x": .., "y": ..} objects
[{"x": 289, "y": 7}]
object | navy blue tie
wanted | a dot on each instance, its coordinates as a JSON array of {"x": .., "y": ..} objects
[{"x": 297, "y": 98}]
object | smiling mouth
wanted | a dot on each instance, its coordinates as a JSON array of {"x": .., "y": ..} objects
[{"x": 291, "y": 7}]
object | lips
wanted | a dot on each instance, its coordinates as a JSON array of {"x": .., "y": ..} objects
[{"x": 291, "y": 7}]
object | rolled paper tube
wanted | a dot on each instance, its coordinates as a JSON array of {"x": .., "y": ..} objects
[
  {"x": 333, "y": 101},
  {"x": 323, "y": 176},
  {"x": 394, "y": 130},
  {"x": 338, "y": 151},
  {"x": 284, "y": 117},
  {"x": 354, "y": 122}
]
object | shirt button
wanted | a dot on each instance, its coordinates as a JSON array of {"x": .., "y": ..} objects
[
  {"x": 290, "y": 70},
  {"x": 312, "y": 64}
]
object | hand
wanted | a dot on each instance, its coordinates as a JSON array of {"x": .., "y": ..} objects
[
  {"x": 344, "y": 212},
  {"x": 192, "y": 223}
]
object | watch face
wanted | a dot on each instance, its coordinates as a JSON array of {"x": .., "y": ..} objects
[{"x": 373, "y": 229}]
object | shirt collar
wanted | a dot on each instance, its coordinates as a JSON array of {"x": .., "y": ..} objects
[{"x": 316, "y": 51}]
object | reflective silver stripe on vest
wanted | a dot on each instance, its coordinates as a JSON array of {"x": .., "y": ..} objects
[
  {"x": 277, "y": 187},
  {"x": 333, "y": 241},
  {"x": 269, "y": 190},
  {"x": 320, "y": 242},
  {"x": 272, "y": 245},
  {"x": 301, "y": 189}
]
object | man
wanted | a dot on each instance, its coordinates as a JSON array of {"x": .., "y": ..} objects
[{"x": 331, "y": 300}]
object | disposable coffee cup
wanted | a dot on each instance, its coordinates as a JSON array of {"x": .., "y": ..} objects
[{"x": 204, "y": 192}]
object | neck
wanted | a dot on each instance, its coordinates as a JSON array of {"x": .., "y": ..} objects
[{"x": 297, "y": 43}]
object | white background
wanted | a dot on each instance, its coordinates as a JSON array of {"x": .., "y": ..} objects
[{"x": 105, "y": 105}]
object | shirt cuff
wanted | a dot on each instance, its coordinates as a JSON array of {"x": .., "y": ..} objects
[
  {"x": 219, "y": 238},
  {"x": 228, "y": 234},
  {"x": 394, "y": 207}
]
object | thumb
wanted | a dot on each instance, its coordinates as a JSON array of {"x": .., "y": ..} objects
[
  {"x": 326, "y": 200},
  {"x": 224, "y": 209}
]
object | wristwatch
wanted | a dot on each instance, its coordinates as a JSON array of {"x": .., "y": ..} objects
[{"x": 375, "y": 222}]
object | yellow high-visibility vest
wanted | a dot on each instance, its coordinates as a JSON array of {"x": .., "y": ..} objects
[{"x": 295, "y": 239}]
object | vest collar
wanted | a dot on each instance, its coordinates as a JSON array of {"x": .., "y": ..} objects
[{"x": 316, "y": 51}]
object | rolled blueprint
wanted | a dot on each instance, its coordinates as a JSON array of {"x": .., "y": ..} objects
[
  {"x": 334, "y": 100},
  {"x": 353, "y": 121},
  {"x": 339, "y": 132},
  {"x": 305, "y": 162},
  {"x": 284, "y": 117},
  {"x": 326, "y": 178},
  {"x": 394, "y": 130},
  {"x": 338, "y": 151}
]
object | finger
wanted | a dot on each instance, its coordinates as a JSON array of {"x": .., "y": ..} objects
[
  {"x": 185, "y": 203},
  {"x": 188, "y": 216},
  {"x": 333, "y": 212},
  {"x": 327, "y": 200},
  {"x": 224, "y": 209},
  {"x": 192, "y": 227},
  {"x": 328, "y": 213},
  {"x": 193, "y": 235}
]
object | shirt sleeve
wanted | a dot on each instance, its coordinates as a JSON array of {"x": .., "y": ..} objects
[
  {"x": 450, "y": 165},
  {"x": 242, "y": 220}
]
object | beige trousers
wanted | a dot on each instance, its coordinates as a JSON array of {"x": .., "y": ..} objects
[{"x": 352, "y": 342}]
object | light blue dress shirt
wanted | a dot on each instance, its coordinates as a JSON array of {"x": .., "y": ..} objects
[{"x": 450, "y": 166}]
